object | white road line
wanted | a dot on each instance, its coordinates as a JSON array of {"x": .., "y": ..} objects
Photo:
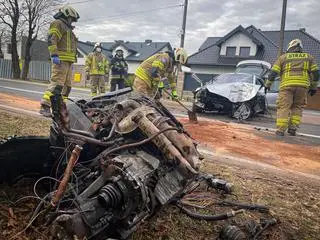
[
  {"x": 21, "y": 90},
  {"x": 39, "y": 84},
  {"x": 79, "y": 96}
]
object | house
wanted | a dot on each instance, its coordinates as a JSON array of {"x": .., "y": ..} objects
[
  {"x": 219, "y": 55},
  {"x": 39, "y": 50},
  {"x": 134, "y": 52}
]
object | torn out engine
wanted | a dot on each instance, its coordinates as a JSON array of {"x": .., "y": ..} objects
[{"x": 130, "y": 157}]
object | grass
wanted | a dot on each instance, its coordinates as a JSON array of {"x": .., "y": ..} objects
[{"x": 293, "y": 200}]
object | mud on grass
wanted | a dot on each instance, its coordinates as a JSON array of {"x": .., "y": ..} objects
[
  {"x": 22, "y": 125},
  {"x": 295, "y": 203}
]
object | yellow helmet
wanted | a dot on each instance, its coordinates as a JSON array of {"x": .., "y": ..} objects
[
  {"x": 181, "y": 55},
  {"x": 295, "y": 43},
  {"x": 68, "y": 11}
]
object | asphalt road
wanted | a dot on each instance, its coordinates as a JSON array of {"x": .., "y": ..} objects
[{"x": 34, "y": 91}]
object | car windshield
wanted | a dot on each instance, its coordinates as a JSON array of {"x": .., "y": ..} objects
[
  {"x": 232, "y": 78},
  {"x": 255, "y": 70}
]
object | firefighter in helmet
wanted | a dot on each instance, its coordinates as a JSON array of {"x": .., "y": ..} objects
[
  {"x": 62, "y": 46},
  {"x": 97, "y": 68},
  {"x": 298, "y": 76},
  {"x": 149, "y": 75},
  {"x": 119, "y": 70}
]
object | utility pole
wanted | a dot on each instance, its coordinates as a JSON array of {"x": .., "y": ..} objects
[
  {"x": 283, "y": 23},
  {"x": 184, "y": 22}
]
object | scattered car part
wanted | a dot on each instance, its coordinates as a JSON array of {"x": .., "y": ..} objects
[
  {"x": 231, "y": 232},
  {"x": 136, "y": 159}
]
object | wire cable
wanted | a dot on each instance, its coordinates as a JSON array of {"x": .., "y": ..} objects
[{"x": 117, "y": 16}]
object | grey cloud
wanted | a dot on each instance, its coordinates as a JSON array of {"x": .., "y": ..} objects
[{"x": 205, "y": 18}]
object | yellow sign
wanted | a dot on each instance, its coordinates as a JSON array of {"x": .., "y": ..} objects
[{"x": 77, "y": 77}]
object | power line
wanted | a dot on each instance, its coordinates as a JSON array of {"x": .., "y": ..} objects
[
  {"x": 130, "y": 13},
  {"x": 79, "y": 2}
]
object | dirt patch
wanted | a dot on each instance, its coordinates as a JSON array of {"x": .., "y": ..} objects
[
  {"x": 233, "y": 139},
  {"x": 19, "y": 102},
  {"x": 293, "y": 201}
]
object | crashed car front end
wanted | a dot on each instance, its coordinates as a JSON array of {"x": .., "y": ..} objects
[{"x": 204, "y": 100}]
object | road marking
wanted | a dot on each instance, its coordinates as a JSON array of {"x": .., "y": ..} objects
[
  {"x": 38, "y": 84},
  {"x": 79, "y": 96},
  {"x": 21, "y": 90}
]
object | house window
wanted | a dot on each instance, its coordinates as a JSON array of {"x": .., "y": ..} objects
[
  {"x": 244, "y": 51},
  {"x": 231, "y": 51}
]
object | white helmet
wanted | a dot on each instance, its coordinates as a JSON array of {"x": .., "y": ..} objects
[
  {"x": 69, "y": 11},
  {"x": 295, "y": 43},
  {"x": 98, "y": 44},
  {"x": 118, "y": 49},
  {"x": 181, "y": 55}
]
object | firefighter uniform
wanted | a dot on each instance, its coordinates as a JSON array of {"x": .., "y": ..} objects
[
  {"x": 97, "y": 66},
  {"x": 146, "y": 83},
  {"x": 119, "y": 71},
  {"x": 295, "y": 70},
  {"x": 63, "y": 44}
]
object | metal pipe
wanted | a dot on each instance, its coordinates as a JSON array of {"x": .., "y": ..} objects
[
  {"x": 86, "y": 139},
  {"x": 67, "y": 173}
]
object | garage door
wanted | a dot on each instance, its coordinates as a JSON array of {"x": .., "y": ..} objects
[{"x": 190, "y": 84}]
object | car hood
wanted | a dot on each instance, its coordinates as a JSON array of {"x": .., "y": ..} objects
[{"x": 235, "y": 92}]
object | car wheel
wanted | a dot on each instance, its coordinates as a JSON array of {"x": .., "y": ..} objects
[{"x": 243, "y": 112}]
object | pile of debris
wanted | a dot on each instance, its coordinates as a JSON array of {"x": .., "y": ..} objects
[{"x": 110, "y": 163}]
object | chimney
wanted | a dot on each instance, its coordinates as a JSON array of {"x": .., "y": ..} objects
[
  {"x": 302, "y": 29},
  {"x": 148, "y": 41}
]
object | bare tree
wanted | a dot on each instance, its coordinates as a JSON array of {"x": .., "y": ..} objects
[
  {"x": 37, "y": 16},
  {"x": 3, "y": 39},
  {"x": 10, "y": 16}
]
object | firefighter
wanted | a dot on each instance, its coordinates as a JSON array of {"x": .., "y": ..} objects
[
  {"x": 298, "y": 76},
  {"x": 119, "y": 70},
  {"x": 97, "y": 68},
  {"x": 62, "y": 46},
  {"x": 149, "y": 75}
]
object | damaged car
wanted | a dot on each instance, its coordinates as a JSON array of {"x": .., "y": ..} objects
[{"x": 240, "y": 95}]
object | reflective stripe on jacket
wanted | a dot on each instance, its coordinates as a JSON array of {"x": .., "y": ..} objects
[
  {"x": 97, "y": 64},
  {"x": 164, "y": 65},
  {"x": 295, "y": 69},
  {"x": 61, "y": 41}
]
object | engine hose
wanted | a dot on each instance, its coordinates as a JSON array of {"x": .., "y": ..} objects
[
  {"x": 210, "y": 217},
  {"x": 247, "y": 206},
  {"x": 136, "y": 144},
  {"x": 86, "y": 139}
]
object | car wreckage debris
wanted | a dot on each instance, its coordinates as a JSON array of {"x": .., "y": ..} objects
[{"x": 120, "y": 160}]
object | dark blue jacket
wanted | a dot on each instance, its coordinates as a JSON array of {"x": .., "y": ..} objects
[{"x": 119, "y": 67}]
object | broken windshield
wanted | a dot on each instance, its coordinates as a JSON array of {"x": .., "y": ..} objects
[
  {"x": 255, "y": 70},
  {"x": 232, "y": 78}
]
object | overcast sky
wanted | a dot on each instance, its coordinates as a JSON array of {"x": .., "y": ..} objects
[{"x": 137, "y": 20}]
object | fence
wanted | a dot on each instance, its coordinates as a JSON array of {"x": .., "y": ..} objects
[
  {"x": 38, "y": 70},
  {"x": 5, "y": 68}
]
